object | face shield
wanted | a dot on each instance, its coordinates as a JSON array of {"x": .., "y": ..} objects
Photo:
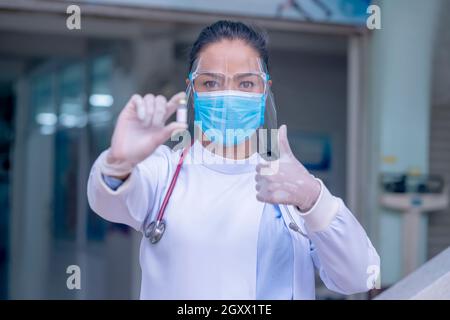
[{"x": 230, "y": 102}]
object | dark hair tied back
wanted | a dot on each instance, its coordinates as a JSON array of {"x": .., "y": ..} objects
[{"x": 230, "y": 30}]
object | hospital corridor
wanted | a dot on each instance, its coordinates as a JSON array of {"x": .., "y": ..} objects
[{"x": 358, "y": 208}]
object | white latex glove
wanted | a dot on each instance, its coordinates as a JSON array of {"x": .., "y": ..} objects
[
  {"x": 286, "y": 180},
  {"x": 140, "y": 129}
]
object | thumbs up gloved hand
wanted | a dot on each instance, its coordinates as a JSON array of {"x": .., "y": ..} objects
[
  {"x": 140, "y": 129},
  {"x": 286, "y": 181}
]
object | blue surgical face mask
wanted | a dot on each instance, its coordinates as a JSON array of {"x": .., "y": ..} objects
[{"x": 229, "y": 117}]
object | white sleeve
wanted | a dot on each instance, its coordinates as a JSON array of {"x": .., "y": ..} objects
[
  {"x": 340, "y": 248},
  {"x": 133, "y": 200}
]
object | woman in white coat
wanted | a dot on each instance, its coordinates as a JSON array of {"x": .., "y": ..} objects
[{"x": 238, "y": 228}]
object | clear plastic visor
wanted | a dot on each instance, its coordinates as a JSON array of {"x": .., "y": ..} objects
[{"x": 235, "y": 81}]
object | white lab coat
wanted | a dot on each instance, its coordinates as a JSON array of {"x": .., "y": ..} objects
[{"x": 210, "y": 245}]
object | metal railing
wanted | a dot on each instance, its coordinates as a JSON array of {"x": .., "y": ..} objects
[{"x": 430, "y": 282}]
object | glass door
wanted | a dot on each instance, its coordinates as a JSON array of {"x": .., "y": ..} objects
[{"x": 68, "y": 121}]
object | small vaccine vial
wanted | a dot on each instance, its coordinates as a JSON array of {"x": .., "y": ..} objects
[{"x": 182, "y": 111}]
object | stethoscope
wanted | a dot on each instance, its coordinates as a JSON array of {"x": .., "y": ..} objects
[{"x": 155, "y": 230}]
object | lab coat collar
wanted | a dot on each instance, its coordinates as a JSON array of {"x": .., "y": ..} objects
[{"x": 202, "y": 156}]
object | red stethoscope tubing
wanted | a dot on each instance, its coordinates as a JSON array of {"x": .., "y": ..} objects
[{"x": 173, "y": 182}]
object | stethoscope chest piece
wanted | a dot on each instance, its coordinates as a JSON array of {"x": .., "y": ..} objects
[
  {"x": 156, "y": 228},
  {"x": 155, "y": 231}
]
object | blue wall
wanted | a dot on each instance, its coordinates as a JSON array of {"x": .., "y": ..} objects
[{"x": 400, "y": 86}]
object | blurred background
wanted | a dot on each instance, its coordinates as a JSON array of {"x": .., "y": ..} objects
[{"x": 368, "y": 111}]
